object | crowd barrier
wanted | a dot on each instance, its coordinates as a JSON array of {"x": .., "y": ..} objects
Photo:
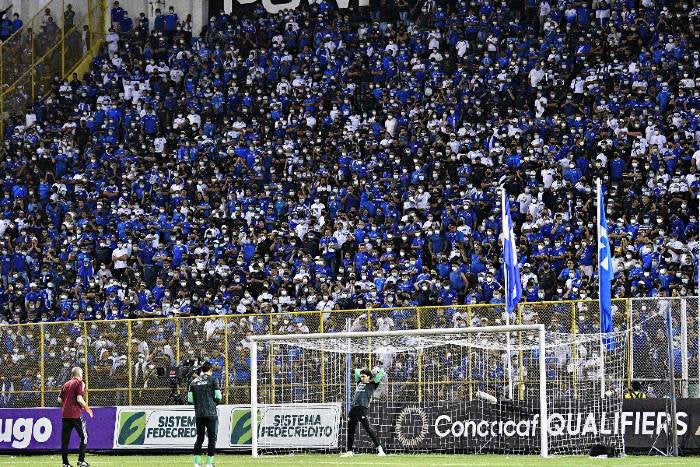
[{"x": 128, "y": 360}]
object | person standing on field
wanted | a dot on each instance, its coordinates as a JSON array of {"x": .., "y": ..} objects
[
  {"x": 367, "y": 382},
  {"x": 205, "y": 394},
  {"x": 72, "y": 402}
]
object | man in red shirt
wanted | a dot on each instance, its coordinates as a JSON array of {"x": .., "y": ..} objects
[{"x": 72, "y": 401}]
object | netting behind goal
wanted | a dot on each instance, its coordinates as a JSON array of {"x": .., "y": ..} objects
[{"x": 476, "y": 392}]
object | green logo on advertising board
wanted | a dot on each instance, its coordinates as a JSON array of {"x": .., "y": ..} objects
[
  {"x": 132, "y": 428},
  {"x": 241, "y": 427}
]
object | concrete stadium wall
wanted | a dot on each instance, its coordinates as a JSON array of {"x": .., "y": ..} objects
[
  {"x": 28, "y": 8},
  {"x": 197, "y": 8}
]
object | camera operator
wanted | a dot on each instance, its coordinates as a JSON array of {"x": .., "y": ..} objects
[{"x": 205, "y": 394}]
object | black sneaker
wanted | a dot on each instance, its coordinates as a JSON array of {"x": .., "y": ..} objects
[
  {"x": 66, "y": 465},
  {"x": 83, "y": 464}
]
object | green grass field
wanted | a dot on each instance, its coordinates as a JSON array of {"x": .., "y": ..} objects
[{"x": 225, "y": 460}]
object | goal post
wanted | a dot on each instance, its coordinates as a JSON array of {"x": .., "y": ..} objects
[
  {"x": 441, "y": 406},
  {"x": 254, "y": 395}
]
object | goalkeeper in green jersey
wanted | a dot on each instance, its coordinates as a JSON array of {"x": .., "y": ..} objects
[
  {"x": 204, "y": 393},
  {"x": 367, "y": 382}
]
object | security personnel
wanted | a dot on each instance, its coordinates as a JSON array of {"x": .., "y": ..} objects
[{"x": 635, "y": 392}]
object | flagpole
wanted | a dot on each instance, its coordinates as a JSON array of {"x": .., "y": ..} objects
[
  {"x": 601, "y": 364},
  {"x": 504, "y": 229}
]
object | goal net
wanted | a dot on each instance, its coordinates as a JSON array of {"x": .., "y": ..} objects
[{"x": 468, "y": 390}]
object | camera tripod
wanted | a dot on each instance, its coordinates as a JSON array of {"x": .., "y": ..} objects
[{"x": 174, "y": 398}]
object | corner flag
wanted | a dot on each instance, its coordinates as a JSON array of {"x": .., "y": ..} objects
[
  {"x": 605, "y": 267},
  {"x": 514, "y": 288}
]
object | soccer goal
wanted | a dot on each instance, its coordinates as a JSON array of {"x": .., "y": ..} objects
[{"x": 499, "y": 389}]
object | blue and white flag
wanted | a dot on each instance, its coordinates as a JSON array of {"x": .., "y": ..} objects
[
  {"x": 514, "y": 289},
  {"x": 605, "y": 268}
]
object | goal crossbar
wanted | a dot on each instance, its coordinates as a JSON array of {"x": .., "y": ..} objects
[
  {"x": 539, "y": 328},
  {"x": 408, "y": 332}
]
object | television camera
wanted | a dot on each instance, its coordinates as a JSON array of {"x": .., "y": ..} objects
[{"x": 176, "y": 376}]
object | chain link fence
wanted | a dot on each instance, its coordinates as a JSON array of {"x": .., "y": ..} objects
[
  {"x": 21, "y": 382},
  {"x": 693, "y": 345},
  {"x": 62, "y": 346},
  {"x": 135, "y": 362},
  {"x": 650, "y": 361},
  {"x": 152, "y": 346}
]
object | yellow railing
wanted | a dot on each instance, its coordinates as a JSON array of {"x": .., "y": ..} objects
[
  {"x": 123, "y": 357},
  {"x": 43, "y": 49}
]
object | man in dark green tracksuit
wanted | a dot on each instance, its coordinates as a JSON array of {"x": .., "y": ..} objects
[
  {"x": 204, "y": 393},
  {"x": 366, "y": 385}
]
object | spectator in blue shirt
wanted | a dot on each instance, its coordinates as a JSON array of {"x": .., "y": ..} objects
[{"x": 17, "y": 23}]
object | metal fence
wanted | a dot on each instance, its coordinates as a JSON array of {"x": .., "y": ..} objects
[
  {"x": 126, "y": 361},
  {"x": 650, "y": 362},
  {"x": 45, "y": 48}
]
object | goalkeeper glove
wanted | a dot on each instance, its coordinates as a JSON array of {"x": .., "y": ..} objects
[{"x": 378, "y": 373}]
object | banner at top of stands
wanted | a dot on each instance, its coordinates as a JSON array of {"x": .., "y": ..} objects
[{"x": 275, "y": 6}]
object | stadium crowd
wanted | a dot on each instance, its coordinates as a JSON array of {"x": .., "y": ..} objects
[{"x": 322, "y": 159}]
